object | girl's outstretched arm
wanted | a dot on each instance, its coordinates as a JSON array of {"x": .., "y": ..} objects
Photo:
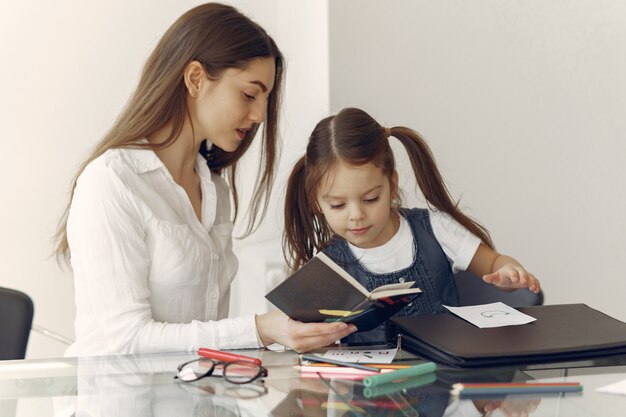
[
  {"x": 501, "y": 270},
  {"x": 276, "y": 327}
]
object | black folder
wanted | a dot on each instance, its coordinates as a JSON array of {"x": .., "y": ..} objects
[{"x": 561, "y": 333}]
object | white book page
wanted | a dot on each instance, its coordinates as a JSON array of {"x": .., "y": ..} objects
[
  {"x": 381, "y": 293},
  {"x": 396, "y": 286}
]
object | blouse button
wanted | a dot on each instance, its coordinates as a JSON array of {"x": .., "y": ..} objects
[{"x": 215, "y": 257}]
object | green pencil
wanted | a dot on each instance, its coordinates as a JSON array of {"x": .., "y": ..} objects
[{"x": 421, "y": 369}]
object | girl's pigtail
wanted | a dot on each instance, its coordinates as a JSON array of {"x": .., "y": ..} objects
[
  {"x": 298, "y": 242},
  {"x": 431, "y": 182}
]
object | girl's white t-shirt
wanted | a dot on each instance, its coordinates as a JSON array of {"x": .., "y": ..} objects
[{"x": 458, "y": 243}]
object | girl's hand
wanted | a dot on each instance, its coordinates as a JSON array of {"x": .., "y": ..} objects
[
  {"x": 510, "y": 406},
  {"x": 276, "y": 327},
  {"x": 513, "y": 277}
]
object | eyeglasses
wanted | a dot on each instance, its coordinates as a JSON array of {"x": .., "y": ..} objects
[
  {"x": 237, "y": 372},
  {"x": 217, "y": 387}
]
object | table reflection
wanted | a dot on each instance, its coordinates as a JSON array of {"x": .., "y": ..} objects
[
  {"x": 145, "y": 387},
  {"x": 426, "y": 396}
]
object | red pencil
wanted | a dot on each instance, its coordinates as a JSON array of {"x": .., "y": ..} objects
[{"x": 226, "y": 356}]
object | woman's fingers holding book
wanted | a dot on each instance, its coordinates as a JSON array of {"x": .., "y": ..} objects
[
  {"x": 276, "y": 327},
  {"x": 307, "y": 336}
]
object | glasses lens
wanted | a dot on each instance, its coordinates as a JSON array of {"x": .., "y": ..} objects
[
  {"x": 241, "y": 372},
  {"x": 195, "y": 370}
]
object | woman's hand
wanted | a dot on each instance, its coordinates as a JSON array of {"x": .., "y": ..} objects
[
  {"x": 511, "y": 276},
  {"x": 276, "y": 327}
]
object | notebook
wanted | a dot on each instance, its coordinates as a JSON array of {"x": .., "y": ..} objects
[{"x": 565, "y": 332}]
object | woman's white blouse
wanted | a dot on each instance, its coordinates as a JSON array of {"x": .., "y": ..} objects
[{"x": 148, "y": 275}]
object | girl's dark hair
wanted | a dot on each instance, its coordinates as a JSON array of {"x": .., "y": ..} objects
[
  {"x": 355, "y": 137},
  {"x": 219, "y": 37}
]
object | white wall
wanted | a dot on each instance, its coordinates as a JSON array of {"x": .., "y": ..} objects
[
  {"x": 67, "y": 69},
  {"x": 523, "y": 103}
]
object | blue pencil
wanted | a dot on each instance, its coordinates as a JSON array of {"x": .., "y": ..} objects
[{"x": 507, "y": 388}]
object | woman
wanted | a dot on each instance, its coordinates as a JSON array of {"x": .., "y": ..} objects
[{"x": 148, "y": 227}]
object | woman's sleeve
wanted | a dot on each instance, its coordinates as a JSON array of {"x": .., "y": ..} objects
[{"x": 111, "y": 263}]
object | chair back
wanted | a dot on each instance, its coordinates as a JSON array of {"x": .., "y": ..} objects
[
  {"x": 16, "y": 318},
  {"x": 473, "y": 290}
]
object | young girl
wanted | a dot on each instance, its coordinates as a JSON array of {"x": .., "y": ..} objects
[
  {"x": 343, "y": 199},
  {"x": 148, "y": 228}
]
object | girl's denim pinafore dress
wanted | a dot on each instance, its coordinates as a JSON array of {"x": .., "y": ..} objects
[{"x": 430, "y": 270}]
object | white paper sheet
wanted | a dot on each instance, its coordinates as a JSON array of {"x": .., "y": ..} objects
[
  {"x": 618, "y": 388},
  {"x": 362, "y": 356},
  {"x": 491, "y": 315}
]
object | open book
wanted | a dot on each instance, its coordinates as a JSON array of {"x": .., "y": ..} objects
[{"x": 321, "y": 291}]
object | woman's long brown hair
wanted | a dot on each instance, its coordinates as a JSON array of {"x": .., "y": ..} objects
[
  {"x": 355, "y": 137},
  {"x": 219, "y": 37}
]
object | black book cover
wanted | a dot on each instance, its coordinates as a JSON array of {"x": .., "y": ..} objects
[{"x": 321, "y": 291}]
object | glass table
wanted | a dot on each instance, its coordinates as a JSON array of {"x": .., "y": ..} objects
[{"x": 144, "y": 385}]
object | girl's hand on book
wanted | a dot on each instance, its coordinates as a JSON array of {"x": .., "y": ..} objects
[
  {"x": 277, "y": 327},
  {"x": 511, "y": 277}
]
